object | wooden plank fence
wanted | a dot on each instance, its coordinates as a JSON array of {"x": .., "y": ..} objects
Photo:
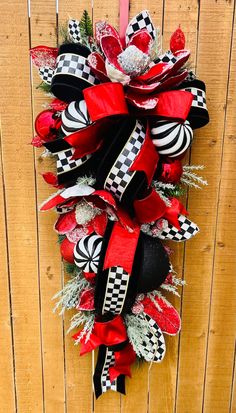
[{"x": 41, "y": 371}]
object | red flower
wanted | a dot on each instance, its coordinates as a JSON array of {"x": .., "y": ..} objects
[{"x": 133, "y": 66}]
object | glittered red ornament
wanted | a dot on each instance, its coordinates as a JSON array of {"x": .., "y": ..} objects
[
  {"x": 177, "y": 41},
  {"x": 171, "y": 172},
  {"x": 67, "y": 250},
  {"x": 47, "y": 124}
]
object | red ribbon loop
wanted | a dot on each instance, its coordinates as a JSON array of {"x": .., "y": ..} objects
[
  {"x": 106, "y": 99},
  {"x": 147, "y": 158},
  {"x": 172, "y": 212},
  {"x": 150, "y": 208},
  {"x": 109, "y": 333}
]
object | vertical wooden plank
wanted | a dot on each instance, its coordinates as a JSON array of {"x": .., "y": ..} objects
[
  {"x": 7, "y": 384},
  {"x": 164, "y": 376},
  {"x": 43, "y": 31},
  {"x": 215, "y": 26},
  {"x": 18, "y": 164},
  {"x": 233, "y": 388},
  {"x": 79, "y": 392},
  {"x": 222, "y": 327}
]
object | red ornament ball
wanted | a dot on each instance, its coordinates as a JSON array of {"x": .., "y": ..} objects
[
  {"x": 67, "y": 250},
  {"x": 171, "y": 172},
  {"x": 47, "y": 124}
]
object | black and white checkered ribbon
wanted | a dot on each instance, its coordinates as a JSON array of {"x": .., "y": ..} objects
[
  {"x": 199, "y": 97},
  {"x": 141, "y": 21},
  {"x": 75, "y": 65},
  {"x": 46, "y": 73},
  {"x": 187, "y": 230},
  {"x": 153, "y": 348},
  {"x": 167, "y": 57},
  {"x": 120, "y": 176},
  {"x": 74, "y": 31},
  {"x": 66, "y": 164},
  {"x": 109, "y": 361},
  {"x": 116, "y": 290}
]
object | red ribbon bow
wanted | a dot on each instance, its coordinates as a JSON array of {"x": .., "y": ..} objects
[{"x": 110, "y": 333}]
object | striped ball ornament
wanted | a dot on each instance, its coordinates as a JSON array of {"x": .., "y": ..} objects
[
  {"x": 172, "y": 138},
  {"x": 87, "y": 253},
  {"x": 75, "y": 117}
]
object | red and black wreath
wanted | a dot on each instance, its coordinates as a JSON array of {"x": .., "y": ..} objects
[{"x": 120, "y": 121}]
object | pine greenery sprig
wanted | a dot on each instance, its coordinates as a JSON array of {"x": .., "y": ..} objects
[
  {"x": 192, "y": 179},
  {"x": 68, "y": 297},
  {"x": 138, "y": 329},
  {"x": 63, "y": 35},
  {"x": 61, "y": 238},
  {"x": 86, "y": 25},
  {"x": 177, "y": 192},
  {"x": 86, "y": 180},
  {"x": 44, "y": 87},
  {"x": 85, "y": 319},
  {"x": 70, "y": 268},
  {"x": 156, "y": 49}
]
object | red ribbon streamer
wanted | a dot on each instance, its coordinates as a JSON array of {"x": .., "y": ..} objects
[
  {"x": 121, "y": 247},
  {"x": 123, "y": 360}
]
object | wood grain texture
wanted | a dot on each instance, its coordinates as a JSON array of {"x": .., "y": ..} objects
[
  {"x": 165, "y": 375},
  {"x": 7, "y": 380},
  {"x": 43, "y": 31},
  {"x": 219, "y": 369},
  {"x": 43, "y": 371},
  {"x": 19, "y": 177},
  {"x": 215, "y": 20}
]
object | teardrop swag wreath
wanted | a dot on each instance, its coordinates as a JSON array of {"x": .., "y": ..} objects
[{"x": 120, "y": 120}]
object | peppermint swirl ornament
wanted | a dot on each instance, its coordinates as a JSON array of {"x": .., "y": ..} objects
[
  {"x": 75, "y": 117},
  {"x": 87, "y": 253},
  {"x": 172, "y": 138}
]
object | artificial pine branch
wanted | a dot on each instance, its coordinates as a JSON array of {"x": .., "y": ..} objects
[
  {"x": 63, "y": 34},
  {"x": 138, "y": 329},
  {"x": 85, "y": 319},
  {"x": 61, "y": 238},
  {"x": 70, "y": 268},
  {"x": 192, "y": 179},
  {"x": 171, "y": 288},
  {"x": 44, "y": 87},
  {"x": 86, "y": 180},
  {"x": 86, "y": 25},
  {"x": 68, "y": 297}
]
